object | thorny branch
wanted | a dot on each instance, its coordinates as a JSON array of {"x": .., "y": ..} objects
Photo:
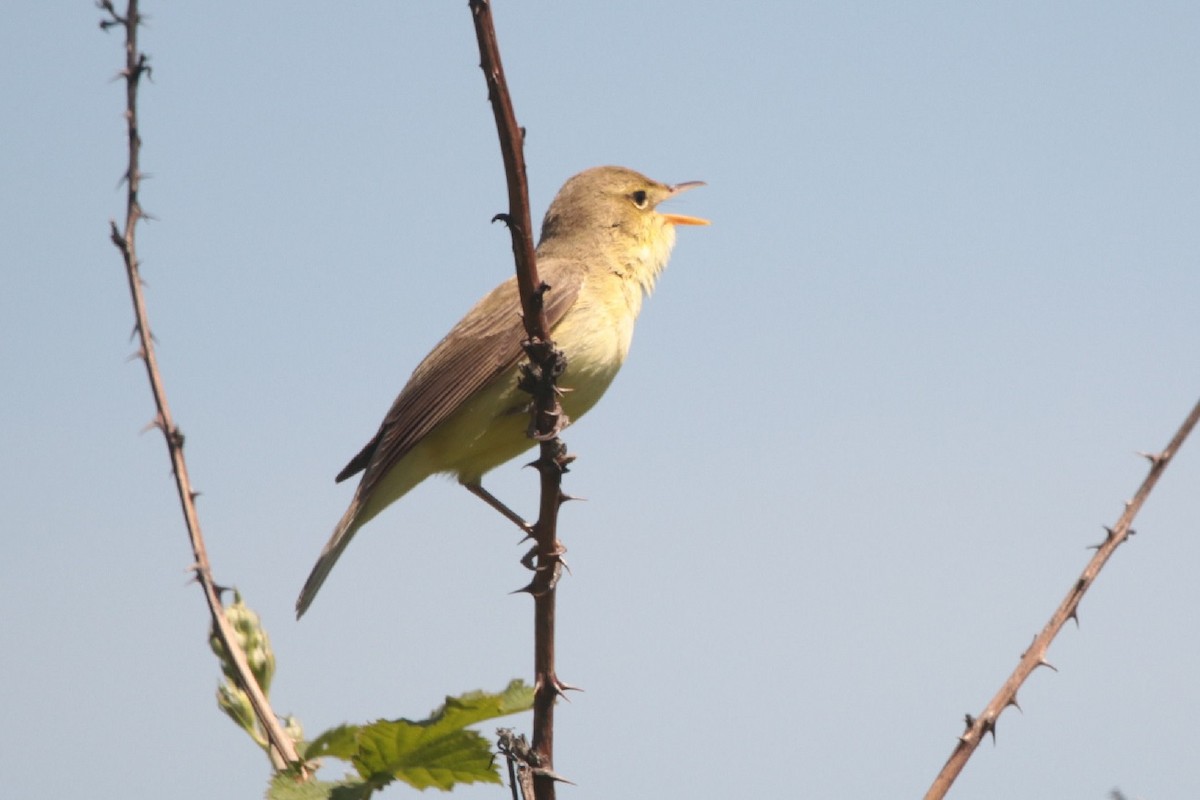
[
  {"x": 282, "y": 750},
  {"x": 546, "y": 364},
  {"x": 1035, "y": 656}
]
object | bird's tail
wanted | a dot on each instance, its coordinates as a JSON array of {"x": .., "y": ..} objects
[{"x": 342, "y": 534}]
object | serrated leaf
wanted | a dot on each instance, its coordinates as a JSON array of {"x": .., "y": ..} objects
[
  {"x": 437, "y": 751},
  {"x": 423, "y": 757},
  {"x": 472, "y": 707}
]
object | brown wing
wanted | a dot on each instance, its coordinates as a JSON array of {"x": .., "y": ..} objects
[{"x": 479, "y": 348}]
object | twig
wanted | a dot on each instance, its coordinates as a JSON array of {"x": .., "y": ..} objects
[
  {"x": 546, "y": 363},
  {"x": 515, "y": 750},
  {"x": 1035, "y": 656},
  {"x": 282, "y": 750}
]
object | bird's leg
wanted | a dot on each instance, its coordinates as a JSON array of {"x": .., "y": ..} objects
[{"x": 483, "y": 494}]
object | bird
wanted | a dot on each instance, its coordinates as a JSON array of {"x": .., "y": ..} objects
[{"x": 603, "y": 245}]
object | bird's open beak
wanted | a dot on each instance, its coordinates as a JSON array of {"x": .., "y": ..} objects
[{"x": 684, "y": 219}]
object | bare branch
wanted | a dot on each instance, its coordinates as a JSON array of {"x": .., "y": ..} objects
[
  {"x": 282, "y": 750},
  {"x": 1035, "y": 656}
]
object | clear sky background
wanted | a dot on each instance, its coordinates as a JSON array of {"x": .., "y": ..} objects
[{"x": 872, "y": 418}]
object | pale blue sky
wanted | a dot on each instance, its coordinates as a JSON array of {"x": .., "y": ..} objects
[{"x": 872, "y": 418}]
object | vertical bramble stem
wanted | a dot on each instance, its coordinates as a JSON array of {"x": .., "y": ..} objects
[{"x": 546, "y": 363}]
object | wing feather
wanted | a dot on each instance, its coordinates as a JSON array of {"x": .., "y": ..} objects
[{"x": 477, "y": 350}]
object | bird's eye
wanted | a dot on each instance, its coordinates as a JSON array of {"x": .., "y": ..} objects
[{"x": 640, "y": 198}]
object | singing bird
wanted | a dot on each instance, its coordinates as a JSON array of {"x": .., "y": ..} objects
[{"x": 603, "y": 245}]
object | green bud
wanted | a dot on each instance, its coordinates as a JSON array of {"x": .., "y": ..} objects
[
  {"x": 254, "y": 641},
  {"x": 236, "y": 705}
]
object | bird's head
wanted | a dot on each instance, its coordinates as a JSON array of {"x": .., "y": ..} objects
[{"x": 613, "y": 207}]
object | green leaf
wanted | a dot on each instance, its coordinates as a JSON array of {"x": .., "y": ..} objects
[
  {"x": 287, "y": 787},
  {"x": 340, "y": 742},
  {"x": 423, "y": 758},
  {"x": 434, "y": 752}
]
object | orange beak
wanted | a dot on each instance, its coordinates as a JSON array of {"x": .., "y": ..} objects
[{"x": 683, "y": 219}]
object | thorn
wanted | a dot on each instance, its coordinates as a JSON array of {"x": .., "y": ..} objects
[
  {"x": 194, "y": 494},
  {"x": 1109, "y": 535},
  {"x": 969, "y": 720},
  {"x": 1153, "y": 458},
  {"x": 527, "y": 589},
  {"x": 562, "y": 687},
  {"x": 549, "y": 773},
  {"x": 502, "y": 217},
  {"x": 1012, "y": 701},
  {"x": 989, "y": 726},
  {"x": 154, "y": 423},
  {"x": 544, "y": 582},
  {"x": 1032, "y": 642},
  {"x": 1042, "y": 662},
  {"x": 1075, "y": 616}
]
